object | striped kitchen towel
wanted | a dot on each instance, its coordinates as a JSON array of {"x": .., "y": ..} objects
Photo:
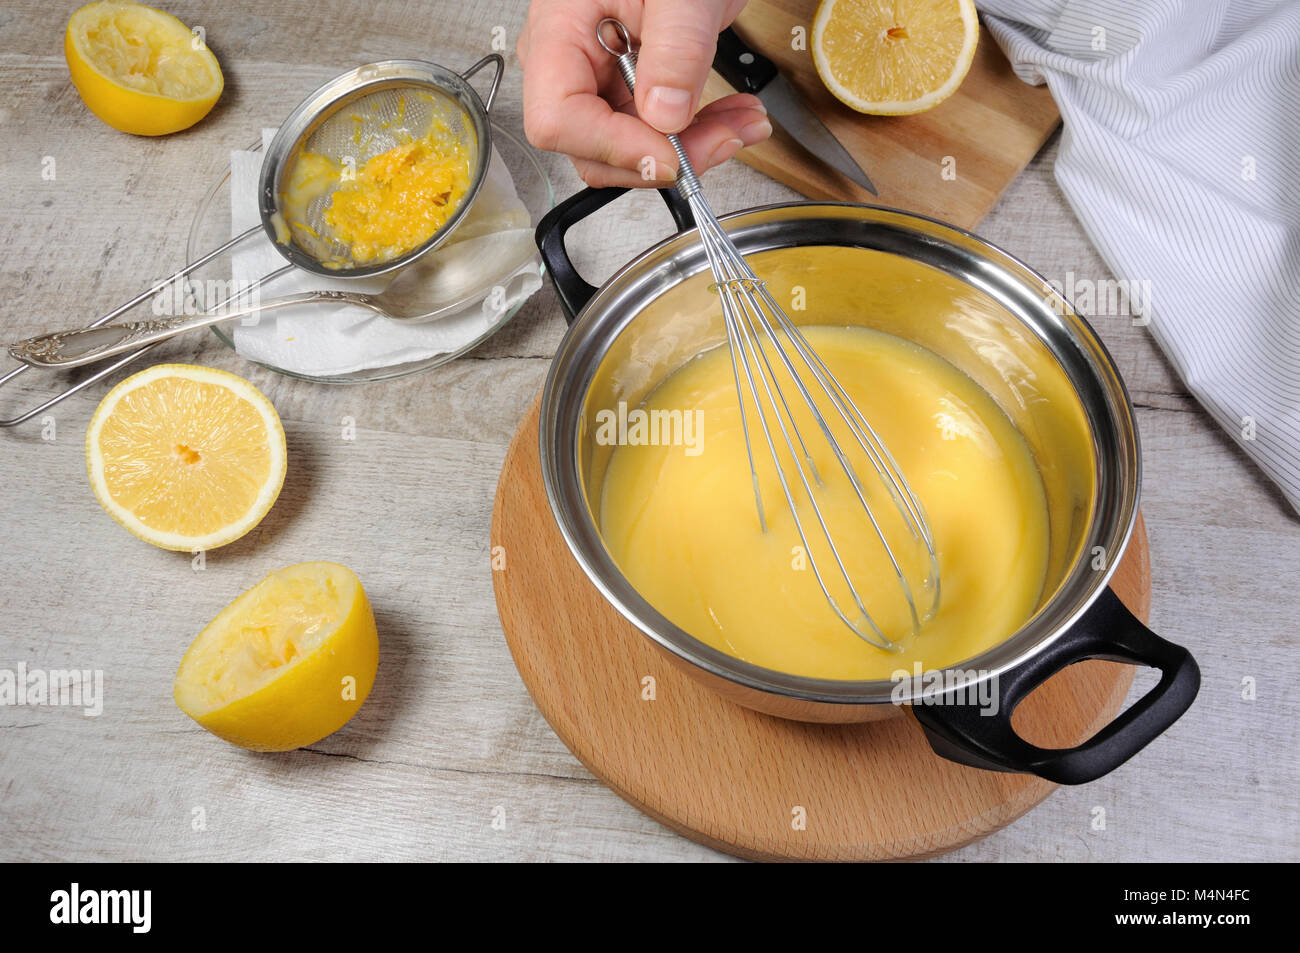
[{"x": 1181, "y": 158}]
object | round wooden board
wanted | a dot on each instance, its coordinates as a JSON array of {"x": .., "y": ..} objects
[{"x": 734, "y": 779}]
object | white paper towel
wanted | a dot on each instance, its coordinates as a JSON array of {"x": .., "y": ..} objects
[{"x": 327, "y": 340}]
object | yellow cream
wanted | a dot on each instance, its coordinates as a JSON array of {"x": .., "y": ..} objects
[{"x": 679, "y": 517}]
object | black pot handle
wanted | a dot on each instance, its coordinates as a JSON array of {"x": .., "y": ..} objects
[
  {"x": 1107, "y": 631},
  {"x": 575, "y": 292}
]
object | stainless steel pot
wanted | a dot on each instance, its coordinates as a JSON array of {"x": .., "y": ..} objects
[{"x": 993, "y": 318}]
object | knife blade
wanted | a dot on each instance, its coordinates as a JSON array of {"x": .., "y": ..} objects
[{"x": 751, "y": 72}]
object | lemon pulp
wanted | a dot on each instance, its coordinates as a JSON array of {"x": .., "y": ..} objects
[
  {"x": 393, "y": 202},
  {"x": 139, "y": 69},
  {"x": 285, "y": 664},
  {"x": 894, "y": 57},
  {"x": 682, "y": 525},
  {"x": 282, "y": 620},
  {"x": 186, "y": 457}
]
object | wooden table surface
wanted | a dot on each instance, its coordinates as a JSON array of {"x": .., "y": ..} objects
[{"x": 449, "y": 739}]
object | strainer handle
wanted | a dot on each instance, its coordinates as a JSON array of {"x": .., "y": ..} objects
[
  {"x": 500, "y": 64},
  {"x": 80, "y": 346},
  {"x": 166, "y": 283},
  {"x": 117, "y": 312}
]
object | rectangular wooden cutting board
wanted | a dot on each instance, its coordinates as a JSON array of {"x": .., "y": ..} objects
[{"x": 951, "y": 163}]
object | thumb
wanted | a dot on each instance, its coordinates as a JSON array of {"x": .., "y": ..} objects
[{"x": 677, "y": 45}]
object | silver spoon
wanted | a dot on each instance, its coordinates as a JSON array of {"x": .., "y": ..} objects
[{"x": 418, "y": 295}]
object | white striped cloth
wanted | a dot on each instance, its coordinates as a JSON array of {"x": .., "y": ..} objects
[{"x": 1181, "y": 158}]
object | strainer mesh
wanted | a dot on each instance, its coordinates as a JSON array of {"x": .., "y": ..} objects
[{"x": 364, "y": 126}]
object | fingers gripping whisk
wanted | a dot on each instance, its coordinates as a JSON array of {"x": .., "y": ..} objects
[{"x": 788, "y": 400}]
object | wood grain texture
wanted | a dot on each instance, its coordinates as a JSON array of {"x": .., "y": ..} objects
[
  {"x": 450, "y": 734},
  {"x": 987, "y": 131},
  {"x": 729, "y": 777}
]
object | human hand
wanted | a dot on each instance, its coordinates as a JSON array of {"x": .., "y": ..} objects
[{"x": 575, "y": 100}]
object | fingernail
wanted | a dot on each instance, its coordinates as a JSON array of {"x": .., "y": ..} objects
[
  {"x": 668, "y": 109},
  {"x": 761, "y": 108},
  {"x": 725, "y": 152},
  {"x": 756, "y": 131}
]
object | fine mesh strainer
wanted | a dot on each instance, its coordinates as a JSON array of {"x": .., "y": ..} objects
[{"x": 350, "y": 119}]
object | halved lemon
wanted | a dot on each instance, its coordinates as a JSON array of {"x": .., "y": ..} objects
[
  {"x": 894, "y": 57},
  {"x": 285, "y": 664},
  {"x": 140, "y": 70},
  {"x": 186, "y": 457}
]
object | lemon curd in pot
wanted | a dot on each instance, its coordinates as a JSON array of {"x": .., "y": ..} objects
[{"x": 678, "y": 516}]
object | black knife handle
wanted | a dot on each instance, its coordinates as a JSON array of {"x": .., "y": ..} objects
[{"x": 740, "y": 66}]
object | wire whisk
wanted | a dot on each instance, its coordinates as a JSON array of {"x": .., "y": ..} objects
[{"x": 763, "y": 339}]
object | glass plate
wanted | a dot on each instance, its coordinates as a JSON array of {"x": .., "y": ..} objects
[{"x": 211, "y": 228}]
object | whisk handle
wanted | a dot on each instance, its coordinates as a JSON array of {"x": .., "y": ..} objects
[
  {"x": 688, "y": 183},
  {"x": 966, "y": 734},
  {"x": 574, "y": 291}
]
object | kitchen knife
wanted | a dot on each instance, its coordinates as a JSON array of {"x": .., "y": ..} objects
[{"x": 751, "y": 72}]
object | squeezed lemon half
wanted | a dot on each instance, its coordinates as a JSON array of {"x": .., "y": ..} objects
[
  {"x": 285, "y": 664},
  {"x": 894, "y": 57},
  {"x": 185, "y": 457},
  {"x": 140, "y": 70}
]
